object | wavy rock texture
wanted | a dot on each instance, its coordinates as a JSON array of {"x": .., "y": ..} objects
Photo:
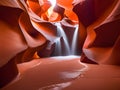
[
  {"x": 101, "y": 36},
  {"x": 28, "y": 30}
]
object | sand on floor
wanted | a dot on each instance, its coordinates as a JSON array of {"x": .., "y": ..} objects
[{"x": 65, "y": 73}]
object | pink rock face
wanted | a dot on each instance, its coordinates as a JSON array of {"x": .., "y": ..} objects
[
  {"x": 102, "y": 25},
  {"x": 107, "y": 34},
  {"x": 36, "y": 20},
  {"x": 88, "y": 11},
  {"x": 29, "y": 30},
  {"x": 11, "y": 37}
]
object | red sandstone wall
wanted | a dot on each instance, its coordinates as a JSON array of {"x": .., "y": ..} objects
[
  {"x": 25, "y": 29},
  {"x": 102, "y": 30}
]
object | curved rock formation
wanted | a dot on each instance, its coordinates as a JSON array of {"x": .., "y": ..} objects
[
  {"x": 101, "y": 36},
  {"x": 29, "y": 30}
]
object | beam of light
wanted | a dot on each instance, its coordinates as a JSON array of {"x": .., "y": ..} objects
[
  {"x": 53, "y": 2},
  {"x": 74, "y": 41},
  {"x": 61, "y": 33},
  {"x": 58, "y": 47},
  {"x": 50, "y": 10}
]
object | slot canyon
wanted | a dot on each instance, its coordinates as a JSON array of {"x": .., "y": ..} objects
[{"x": 59, "y": 44}]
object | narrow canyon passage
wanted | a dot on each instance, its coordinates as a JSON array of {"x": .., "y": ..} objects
[{"x": 59, "y": 44}]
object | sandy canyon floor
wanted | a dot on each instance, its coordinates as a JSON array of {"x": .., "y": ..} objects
[{"x": 65, "y": 73}]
